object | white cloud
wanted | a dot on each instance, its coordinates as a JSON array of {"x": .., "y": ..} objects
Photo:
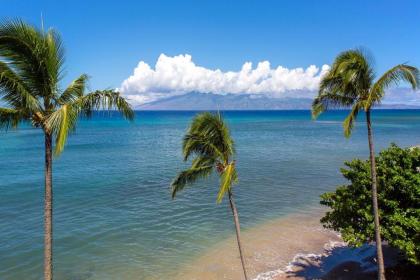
[
  {"x": 403, "y": 95},
  {"x": 179, "y": 74}
]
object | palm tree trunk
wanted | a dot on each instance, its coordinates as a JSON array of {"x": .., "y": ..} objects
[
  {"x": 238, "y": 231},
  {"x": 48, "y": 271},
  {"x": 381, "y": 269}
]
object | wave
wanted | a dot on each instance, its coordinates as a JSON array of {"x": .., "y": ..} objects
[{"x": 313, "y": 266}]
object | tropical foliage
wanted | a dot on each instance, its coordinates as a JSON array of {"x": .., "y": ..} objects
[
  {"x": 209, "y": 142},
  {"x": 399, "y": 201},
  {"x": 30, "y": 73},
  {"x": 351, "y": 84},
  {"x": 208, "y": 139}
]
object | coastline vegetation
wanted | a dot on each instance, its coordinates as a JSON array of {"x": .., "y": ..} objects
[
  {"x": 351, "y": 83},
  {"x": 398, "y": 196},
  {"x": 31, "y": 69}
]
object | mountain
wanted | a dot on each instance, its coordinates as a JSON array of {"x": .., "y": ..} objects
[{"x": 209, "y": 101}]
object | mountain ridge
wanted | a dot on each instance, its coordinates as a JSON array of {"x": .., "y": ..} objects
[{"x": 210, "y": 101}]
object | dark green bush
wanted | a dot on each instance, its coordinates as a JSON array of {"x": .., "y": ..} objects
[{"x": 398, "y": 196}]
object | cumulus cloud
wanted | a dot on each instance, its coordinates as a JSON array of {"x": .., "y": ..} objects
[{"x": 179, "y": 74}]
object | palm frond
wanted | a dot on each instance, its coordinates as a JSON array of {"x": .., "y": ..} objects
[
  {"x": 199, "y": 144},
  {"x": 63, "y": 121},
  {"x": 394, "y": 76},
  {"x": 209, "y": 128},
  {"x": 349, "y": 121},
  {"x": 208, "y": 138},
  {"x": 227, "y": 179},
  {"x": 36, "y": 57},
  {"x": 30, "y": 74},
  {"x": 104, "y": 100},
  {"x": 327, "y": 100},
  {"x": 54, "y": 60},
  {"x": 347, "y": 82},
  {"x": 191, "y": 175},
  {"x": 74, "y": 91},
  {"x": 203, "y": 161},
  {"x": 357, "y": 62},
  {"x": 355, "y": 69},
  {"x": 10, "y": 118},
  {"x": 14, "y": 91}
]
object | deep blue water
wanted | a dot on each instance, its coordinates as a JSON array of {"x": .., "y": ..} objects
[{"x": 113, "y": 216}]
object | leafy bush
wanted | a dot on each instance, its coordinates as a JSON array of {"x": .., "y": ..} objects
[{"x": 399, "y": 201}]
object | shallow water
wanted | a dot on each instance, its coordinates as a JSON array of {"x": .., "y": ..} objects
[
  {"x": 113, "y": 216},
  {"x": 268, "y": 249}
]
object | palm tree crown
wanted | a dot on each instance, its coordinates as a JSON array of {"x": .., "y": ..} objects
[
  {"x": 30, "y": 73},
  {"x": 208, "y": 139},
  {"x": 351, "y": 83}
]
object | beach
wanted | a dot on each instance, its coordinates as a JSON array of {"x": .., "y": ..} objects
[
  {"x": 269, "y": 250},
  {"x": 295, "y": 247}
]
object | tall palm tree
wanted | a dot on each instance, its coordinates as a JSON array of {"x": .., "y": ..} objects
[
  {"x": 351, "y": 83},
  {"x": 31, "y": 68},
  {"x": 208, "y": 139}
]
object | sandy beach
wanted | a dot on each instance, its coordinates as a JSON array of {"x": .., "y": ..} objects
[
  {"x": 270, "y": 250},
  {"x": 293, "y": 247}
]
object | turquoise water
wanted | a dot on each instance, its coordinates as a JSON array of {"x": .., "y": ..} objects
[{"x": 113, "y": 216}]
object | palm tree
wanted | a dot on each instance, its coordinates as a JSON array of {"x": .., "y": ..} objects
[
  {"x": 31, "y": 69},
  {"x": 351, "y": 83},
  {"x": 208, "y": 139}
]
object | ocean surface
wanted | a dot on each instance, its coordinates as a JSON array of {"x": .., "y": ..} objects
[{"x": 113, "y": 214}]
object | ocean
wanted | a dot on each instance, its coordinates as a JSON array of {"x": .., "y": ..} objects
[{"x": 113, "y": 213}]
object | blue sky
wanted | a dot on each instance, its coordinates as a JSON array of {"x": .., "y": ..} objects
[{"x": 108, "y": 39}]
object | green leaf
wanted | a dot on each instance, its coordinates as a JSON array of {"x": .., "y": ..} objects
[
  {"x": 74, "y": 91},
  {"x": 227, "y": 179}
]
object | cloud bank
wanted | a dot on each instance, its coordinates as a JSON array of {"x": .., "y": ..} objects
[{"x": 179, "y": 74}]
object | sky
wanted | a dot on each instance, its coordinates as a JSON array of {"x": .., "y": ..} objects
[{"x": 155, "y": 49}]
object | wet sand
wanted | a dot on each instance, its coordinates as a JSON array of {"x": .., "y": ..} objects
[{"x": 269, "y": 250}]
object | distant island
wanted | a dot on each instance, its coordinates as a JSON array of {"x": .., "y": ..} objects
[{"x": 209, "y": 101}]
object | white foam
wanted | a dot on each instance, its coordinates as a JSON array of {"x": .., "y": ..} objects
[
  {"x": 269, "y": 274},
  {"x": 335, "y": 252}
]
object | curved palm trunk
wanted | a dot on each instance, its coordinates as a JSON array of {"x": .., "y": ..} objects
[
  {"x": 48, "y": 273},
  {"x": 381, "y": 269},
  {"x": 238, "y": 231}
]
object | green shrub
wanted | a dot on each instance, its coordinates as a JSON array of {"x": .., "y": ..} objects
[{"x": 399, "y": 201}]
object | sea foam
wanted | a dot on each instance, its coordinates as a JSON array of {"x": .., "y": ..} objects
[{"x": 316, "y": 265}]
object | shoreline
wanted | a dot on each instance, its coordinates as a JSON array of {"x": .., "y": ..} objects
[
  {"x": 269, "y": 249},
  {"x": 293, "y": 247}
]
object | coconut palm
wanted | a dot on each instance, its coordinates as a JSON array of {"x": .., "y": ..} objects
[
  {"x": 208, "y": 140},
  {"x": 351, "y": 83},
  {"x": 31, "y": 68}
]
